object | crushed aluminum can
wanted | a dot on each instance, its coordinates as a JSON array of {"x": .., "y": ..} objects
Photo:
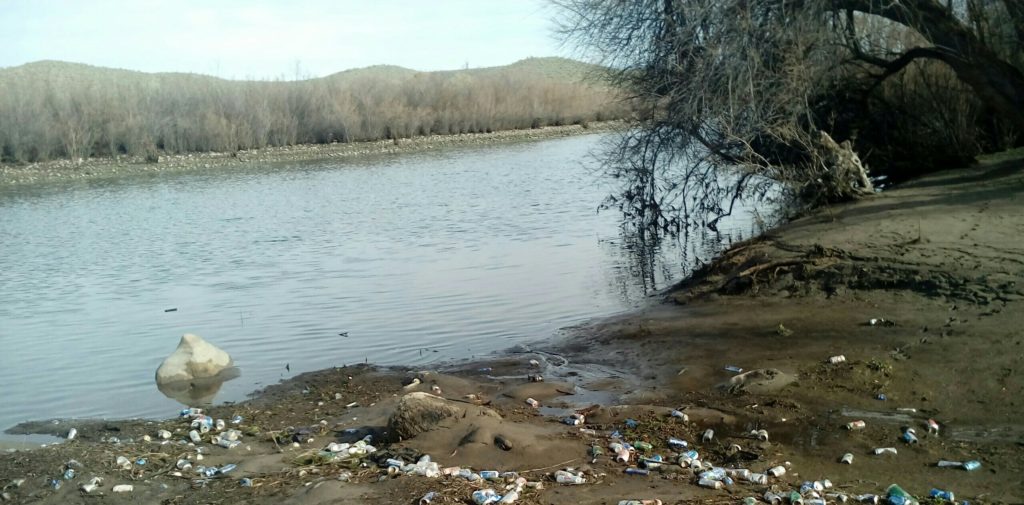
[
  {"x": 885, "y": 450},
  {"x": 871, "y": 499},
  {"x": 708, "y": 435},
  {"x": 679, "y": 415},
  {"x": 485, "y": 496},
  {"x": 972, "y": 465},
  {"x": 637, "y": 471},
  {"x": 772, "y": 498},
  {"x": 761, "y": 435},
  {"x": 942, "y": 495},
  {"x": 710, "y": 484},
  {"x": 429, "y": 497},
  {"x": 123, "y": 488},
  {"x": 194, "y": 436},
  {"x": 219, "y": 424},
  {"x": 245, "y": 482},
  {"x": 733, "y": 369},
  {"x": 933, "y": 427},
  {"x": 72, "y": 433},
  {"x": 847, "y": 459},
  {"x": 573, "y": 420},
  {"x": 490, "y": 475},
  {"x": 777, "y": 471},
  {"x": 533, "y": 403},
  {"x": 163, "y": 434},
  {"x": 653, "y": 462},
  {"x": 909, "y": 436},
  {"x": 69, "y": 474},
  {"x": 758, "y": 478},
  {"x": 949, "y": 464},
  {"x": 236, "y": 420},
  {"x": 677, "y": 443},
  {"x": 183, "y": 464},
  {"x": 535, "y": 378},
  {"x": 837, "y": 359},
  {"x": 856, "y": 425}
]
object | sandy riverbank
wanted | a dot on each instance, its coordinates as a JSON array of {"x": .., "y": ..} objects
[
  {"x": 941, "y": 258},
  {"x": 98, "y": 168}
]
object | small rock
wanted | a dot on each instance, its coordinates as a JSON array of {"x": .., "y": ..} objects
[{"x": 503, "y": 443}]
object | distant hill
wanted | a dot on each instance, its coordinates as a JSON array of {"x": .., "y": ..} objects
[{"x": 53, "y": 109}]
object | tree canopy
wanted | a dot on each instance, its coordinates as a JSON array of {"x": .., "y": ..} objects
[{"x": 735, "y": 97}]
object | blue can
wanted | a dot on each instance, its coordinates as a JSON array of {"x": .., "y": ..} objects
[
  {"x": 490, "y": 475},
  {"x": 972, "y": 465},
  {"x": 882, "y": 397},
  {"x": 942, "y": 495},
  {"x": 637, "y": 471}
]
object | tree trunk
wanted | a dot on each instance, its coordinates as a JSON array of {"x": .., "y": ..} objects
[{"x": 996, "y": 82}]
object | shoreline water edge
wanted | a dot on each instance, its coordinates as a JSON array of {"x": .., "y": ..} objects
[
  {"x": 869, "y": 353},
  {"x": 99, "y": 168}
]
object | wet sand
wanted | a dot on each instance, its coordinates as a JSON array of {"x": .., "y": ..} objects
[{"x": 940, "y": 259}]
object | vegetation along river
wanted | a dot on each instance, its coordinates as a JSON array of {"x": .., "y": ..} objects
[{"x": 408, "y": 259}]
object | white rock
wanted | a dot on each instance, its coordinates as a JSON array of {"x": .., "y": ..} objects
[{"x": 194, "y": 358}]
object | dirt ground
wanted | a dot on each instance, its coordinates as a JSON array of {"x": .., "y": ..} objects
[{"x": 938, "y": 264}]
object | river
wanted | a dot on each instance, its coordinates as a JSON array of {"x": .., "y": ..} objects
[{"x": 405, "y": 259}]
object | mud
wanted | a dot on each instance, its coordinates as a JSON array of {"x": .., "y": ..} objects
[{"x": 941, "y": 258}]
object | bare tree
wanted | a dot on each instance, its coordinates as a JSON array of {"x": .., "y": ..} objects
[{"x": 737, "y": 96}]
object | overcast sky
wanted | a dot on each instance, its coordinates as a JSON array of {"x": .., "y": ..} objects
[{"x": 267, "y": 39}]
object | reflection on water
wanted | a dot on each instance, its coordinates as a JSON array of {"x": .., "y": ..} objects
[
  {"x": 198, "y": 392},
  {"x": 410, "y": 260}
]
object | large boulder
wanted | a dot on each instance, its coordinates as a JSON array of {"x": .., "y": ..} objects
[
  {"x": 194, "y": 358},
  {"x": 420, "y": 412}
]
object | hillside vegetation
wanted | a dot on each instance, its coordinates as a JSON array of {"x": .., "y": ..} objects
[{"x": 65, "y": 110}]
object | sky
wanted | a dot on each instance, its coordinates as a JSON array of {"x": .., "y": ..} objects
[{"x": 264, "y": 39}]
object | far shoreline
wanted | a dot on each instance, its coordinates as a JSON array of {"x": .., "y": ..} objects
[{"x": 104, "y": 167}]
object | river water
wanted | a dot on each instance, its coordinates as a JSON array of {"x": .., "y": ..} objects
[{"x": 417, "y": 258}]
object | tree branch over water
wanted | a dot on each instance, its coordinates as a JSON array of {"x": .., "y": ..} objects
[{"x": 738, "y": 99}]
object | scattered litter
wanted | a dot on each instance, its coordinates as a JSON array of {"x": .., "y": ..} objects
[
  {"x": 679, "y": 415},
  {"x": 569, "y": 477},
  {"x": 429, "y": 497},
  {"x": 533, "y": 403},
  {"x": 884, "y": 450},
  {"x": 837, "y": 359},
  {"x": 93, "y": 484},
  {"x": 708, "y": 435},
  {"x": 123, "y": 488},
  {"x": 856, "y": 425},
  {"x": 881, "y": 396},
  {"x": 847, "y": 458},
  {"x": 733, "y": 369},
  {"x": 942, "y": 495},
  {"x": 933, "y": 427},
  {"x": 972, "y": 465},
  {"x": 72, "y": 433},
  {"x": 881, "y": 322}
]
